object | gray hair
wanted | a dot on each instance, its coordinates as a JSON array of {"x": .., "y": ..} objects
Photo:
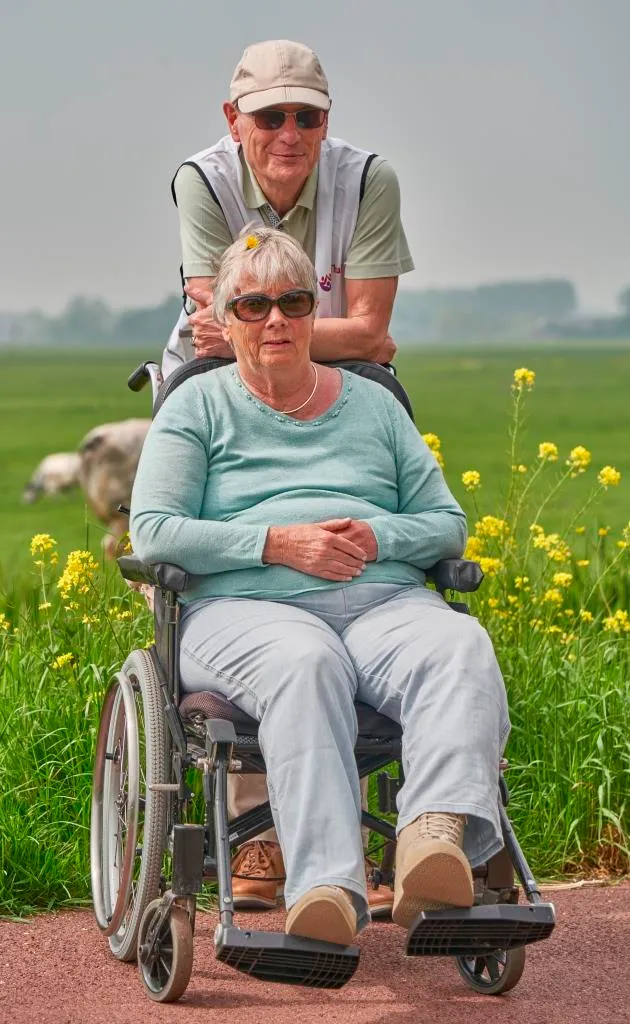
[{"x": 268, "y": 256}]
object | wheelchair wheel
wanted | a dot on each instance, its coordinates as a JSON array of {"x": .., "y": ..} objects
[
  {"x": 128, "y": 821},
  {"x": 494, "y": 973},
  {"x": 165, "y": 951}
]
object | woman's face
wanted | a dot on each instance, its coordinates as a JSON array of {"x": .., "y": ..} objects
[{"x": 277, "y": 341}]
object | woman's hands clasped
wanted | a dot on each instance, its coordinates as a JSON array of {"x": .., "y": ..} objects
[{"x": 336, "y": 550}]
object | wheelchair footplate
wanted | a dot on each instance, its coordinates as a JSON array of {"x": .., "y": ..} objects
[
  {"x": 273, "y": 956},
  {"x": 479, "y": 930}
]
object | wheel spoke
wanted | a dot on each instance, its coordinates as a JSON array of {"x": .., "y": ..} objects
[{"x": 493, "y": 968}]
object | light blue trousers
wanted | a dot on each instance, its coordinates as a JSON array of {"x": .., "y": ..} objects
[{"x": 297, "y": 667}]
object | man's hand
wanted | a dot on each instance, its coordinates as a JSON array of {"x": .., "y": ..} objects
[
  {"x": 387, "y": 351},
  {"x": 357, "y": 531},
  {"x": 318, "y": 549},
  {"x": 208, "y": 338}
]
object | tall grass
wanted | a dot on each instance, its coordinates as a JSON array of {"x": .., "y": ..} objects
[{"x": 555, "y": 603}]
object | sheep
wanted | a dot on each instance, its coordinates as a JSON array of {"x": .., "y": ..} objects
[
  {"x": 55, "y": 473},
  {"x": 104, "y": 466}
]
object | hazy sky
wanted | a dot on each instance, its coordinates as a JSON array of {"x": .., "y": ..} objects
[{"x": 508, "y": 122}]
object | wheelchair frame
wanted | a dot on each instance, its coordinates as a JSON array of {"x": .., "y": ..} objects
[{"x": 140, "y": 833}]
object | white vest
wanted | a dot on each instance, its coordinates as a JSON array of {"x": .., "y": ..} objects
[{"x": 341, "y": 168}]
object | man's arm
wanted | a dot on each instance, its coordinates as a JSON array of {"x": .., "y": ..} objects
[{"x": 363, "y": 333}]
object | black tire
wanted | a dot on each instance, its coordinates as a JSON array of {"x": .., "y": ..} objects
[
  {"x": 166, "y": 969},
  {"x": 129, "y": 819},
  {"x": 494, "y": 973}
]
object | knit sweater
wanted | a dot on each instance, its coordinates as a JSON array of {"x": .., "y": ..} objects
[{"x": 219, "y": 467}]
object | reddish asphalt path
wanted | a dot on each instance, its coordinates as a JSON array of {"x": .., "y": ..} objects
[{"x": 56, "y": 969}]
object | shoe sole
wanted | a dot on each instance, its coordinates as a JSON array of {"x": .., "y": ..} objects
[
  {"x": 322, "y": 917},
  {"x": 384, "y": 911},
  {"x": 440, "y": 878},
  {"x": 254, "y": 903}
]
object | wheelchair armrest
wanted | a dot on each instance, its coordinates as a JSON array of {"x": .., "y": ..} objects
[
  {"x": 161, "y": 574},
  {"x": 458, "y": 574}
]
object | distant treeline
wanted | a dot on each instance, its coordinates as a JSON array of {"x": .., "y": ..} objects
[{"x": 507, "y": 309}]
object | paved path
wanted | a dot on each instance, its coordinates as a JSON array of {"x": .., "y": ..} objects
[{"x": 56, "y": 969}]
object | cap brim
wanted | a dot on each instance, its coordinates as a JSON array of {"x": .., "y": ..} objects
[{"x": 283, "y": 94}]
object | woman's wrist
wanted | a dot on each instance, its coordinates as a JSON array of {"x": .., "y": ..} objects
[{"x": 274, "y": 546}]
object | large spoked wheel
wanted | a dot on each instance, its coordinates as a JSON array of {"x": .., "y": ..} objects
[
  {"x": 494, "y": 973},
  {"x": 165, "y": 951},
  {"x": 129, "y": 819}
]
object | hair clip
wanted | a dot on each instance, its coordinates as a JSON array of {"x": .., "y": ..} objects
[{"x": 252, "y": 242}]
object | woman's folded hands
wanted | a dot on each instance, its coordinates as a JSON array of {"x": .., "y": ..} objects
[{"x": 336, "y": 549}]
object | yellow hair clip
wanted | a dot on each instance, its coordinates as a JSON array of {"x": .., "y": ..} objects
[{"x": 251, "y": 242}]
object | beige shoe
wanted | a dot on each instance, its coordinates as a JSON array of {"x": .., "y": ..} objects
[
  {"x": 326, "y": 913},
  {"x": 432, "y": 871},
  {"x": 257, "y": 875}
]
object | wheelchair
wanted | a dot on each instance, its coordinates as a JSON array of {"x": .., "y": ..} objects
[{"x": 149, "y": 860}]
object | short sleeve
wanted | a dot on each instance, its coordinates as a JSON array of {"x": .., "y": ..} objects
[
  {"x": 379, "y": 246},
  {"x": 203, "y": 229}
]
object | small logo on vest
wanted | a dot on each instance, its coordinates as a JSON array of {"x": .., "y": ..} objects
[{"x": 325, "y": 282}]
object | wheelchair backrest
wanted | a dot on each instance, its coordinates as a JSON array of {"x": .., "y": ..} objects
[{"x": 373, "y": 371}]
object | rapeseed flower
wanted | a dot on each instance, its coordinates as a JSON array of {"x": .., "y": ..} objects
[
  {"x": 78, "y": 574},
  {"x": 62, "y": 661},
  {"x": 585, "y": 615},
  {"x": 520, "y": 468},
  {"x": 579, "y": 459},
  {"x": 523, "y": 378},
  {"x": 491, "y": 526},
  {"x": 617, "y": 623},
  {"x": 490, "y": 566},
  {"x": 608, "y": 476},
  {"x": 548, "y": 451},
  {"x": 474, "y": 547},
  {"x": 4, "y": 623},
  {"x": 471, "y": 480},
  {"x": 562, "y": 579},
  {"x": 553, "y": 596},
  {"x": 434, "y": 444}
]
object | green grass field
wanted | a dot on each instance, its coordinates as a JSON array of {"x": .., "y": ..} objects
[
  {"x": 50, "y": 400},
  {"x": 555, "y": 603}
]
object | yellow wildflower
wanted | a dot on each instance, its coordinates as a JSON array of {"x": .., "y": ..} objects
[
  {"x": 535, "y": 623},
  {"x": 608, "y": 476},
  {"x": 78, "y": 574},
  {"x": 471, "y": 480},
  {"x": 474, "y": 547},
  {"x": 557, "y": 549},
  {"x": 579, "y": 459},
  {"x": 553, "y": 629},
  {"x": 512, "y": 599},
  {"x": 520, "y": 468},
  {"x": 536, "y": 529},
  {"x": 623, "y": 544},
  {"x": 548, "y": 451},
  {"x": 562, "y": 579},
  {"x": 617, "y": 623},
  {"x": 521, "y": 582},
  {"x": 569, "y": 613},
  {"x": 490, "y": 566},
  {"x": 603, "y": 531},
  {"x": 122, "y": 615},
  {"x": 493, "y": 602},
  {"x": 553, "y": 596},
  {"x": 566, "y": 638},
  {"x": 523, "y": 378},
  {"x": 580, "y": 529},
  {"x": 434, "y": 444},
  {"x": 41, "y": 543},
  {"x": 62, "y": 661},
  {"x": 490, "y": 526},
  {"x": 585, "y": 615},
  {"x": 583, "y": 562},
  {"x": 4, "y": 622},
  {"x": 44, "y": 605}
]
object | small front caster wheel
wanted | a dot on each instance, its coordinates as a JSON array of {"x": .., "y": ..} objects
[
  {"x": 165, "y": 961},
  {"x": 493, "y": 973}
]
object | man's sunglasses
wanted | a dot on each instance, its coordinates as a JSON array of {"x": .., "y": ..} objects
[
  {"x": 294, "y": 304},
  {"x": 270, "y": 120}
]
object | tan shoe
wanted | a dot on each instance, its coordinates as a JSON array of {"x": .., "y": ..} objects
[
  {"x": 432, "y": 871},
  {"x": 257, "y": 875},
  {"x": 380, "y": 897},
  {"x": 326, "y": 913}
]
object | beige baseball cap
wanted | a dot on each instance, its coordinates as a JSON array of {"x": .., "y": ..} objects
[{"x": 278, "y": 71}]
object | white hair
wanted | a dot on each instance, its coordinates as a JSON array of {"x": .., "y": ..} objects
[{"x": 266, "y": 255}]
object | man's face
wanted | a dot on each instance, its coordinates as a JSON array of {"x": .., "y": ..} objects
[{"x": 285, "y": 156}]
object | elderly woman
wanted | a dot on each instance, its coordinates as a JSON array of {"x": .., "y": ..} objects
[{"x": 308, "y": 506}]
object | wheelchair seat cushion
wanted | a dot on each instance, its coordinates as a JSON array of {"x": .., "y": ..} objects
[{"x": 208, "y": 704}]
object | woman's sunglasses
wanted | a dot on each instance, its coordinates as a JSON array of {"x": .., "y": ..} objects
[
  {"x": 270, "y": 120},
  {"x": 294, "y": 304}
]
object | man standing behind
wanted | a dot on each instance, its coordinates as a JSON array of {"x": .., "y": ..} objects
[{"x": 277, "y": 167}]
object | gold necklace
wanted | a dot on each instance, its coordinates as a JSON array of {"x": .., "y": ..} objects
[{"x": 288, "y": 412}]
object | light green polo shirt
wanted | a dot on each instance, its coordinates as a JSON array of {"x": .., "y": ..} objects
[{"x": 378, "y": 248}]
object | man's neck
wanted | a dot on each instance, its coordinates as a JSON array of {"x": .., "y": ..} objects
[{"x": 278, "y": 197}]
